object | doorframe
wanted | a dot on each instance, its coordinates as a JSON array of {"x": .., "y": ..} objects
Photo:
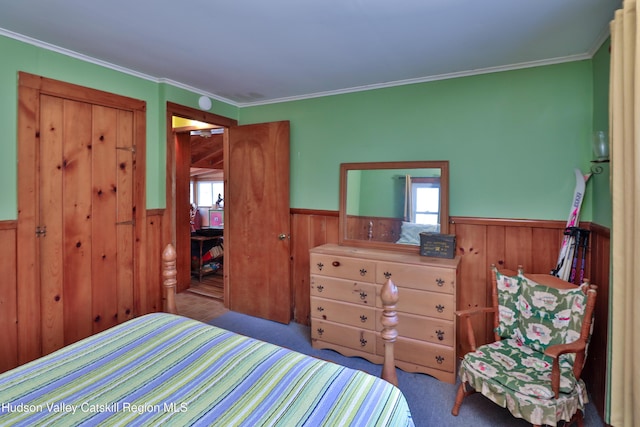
[{"x": 169, "y": 221}]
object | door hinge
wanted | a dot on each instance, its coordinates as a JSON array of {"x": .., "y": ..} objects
[
  {"x": 41, "y": 231},
  {"x": 132, "y": 149},
  {"x": 132, "y": 222}
]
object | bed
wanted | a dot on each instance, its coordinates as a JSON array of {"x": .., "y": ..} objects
[{"x": 165, "y": 369}]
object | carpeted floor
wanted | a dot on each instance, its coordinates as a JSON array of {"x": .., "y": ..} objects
[{"x": 430, "y": 400}]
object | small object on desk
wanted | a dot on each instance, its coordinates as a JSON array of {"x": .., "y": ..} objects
[{"x": 438, "y": 245}]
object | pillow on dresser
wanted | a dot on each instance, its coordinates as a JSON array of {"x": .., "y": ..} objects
[{"x": 410, "y": 232}]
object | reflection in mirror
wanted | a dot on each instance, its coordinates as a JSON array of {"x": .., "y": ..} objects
[{"x": 387, "y": 204}]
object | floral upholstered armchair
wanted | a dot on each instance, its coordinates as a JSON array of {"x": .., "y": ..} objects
[{"x": 542, "y": 329}]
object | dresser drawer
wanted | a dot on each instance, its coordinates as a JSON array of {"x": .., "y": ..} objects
[
  {"x": 417, "y": 277},
  {"x": 437, "y": 331},
  {"x": 346, "y": 336},
  {"x": 343, "y": 290},
  {"x": 348, "y": 314},
  {"x": 424, "y": 303},
  {"x": 343, "y": 267},
  {"x": 421, "y": 353}
]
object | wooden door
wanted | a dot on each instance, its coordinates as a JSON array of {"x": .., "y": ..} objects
[
  {"x": 86, "y": 206},
  {"x": 79, "y": 247},
  {"x": 257, "y": 263}
]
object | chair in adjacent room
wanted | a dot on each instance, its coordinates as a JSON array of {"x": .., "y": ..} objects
[{"x": 542, "y": 330}]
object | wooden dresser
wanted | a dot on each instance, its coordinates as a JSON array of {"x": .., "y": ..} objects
[{"x": 346, "y": 306}]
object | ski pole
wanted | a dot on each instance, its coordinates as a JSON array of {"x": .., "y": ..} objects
[
  {"x": 585, "y": 246},
  {"x": 575, "y": 234}
]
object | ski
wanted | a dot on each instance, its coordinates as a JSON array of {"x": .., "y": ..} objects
[{"x": 568, "y": 246}]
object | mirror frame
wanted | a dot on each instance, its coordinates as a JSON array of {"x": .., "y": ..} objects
[{"x": 443, "y": 165}]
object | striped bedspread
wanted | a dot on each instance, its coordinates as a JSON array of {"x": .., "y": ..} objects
[{"x": 162, "y": 369}]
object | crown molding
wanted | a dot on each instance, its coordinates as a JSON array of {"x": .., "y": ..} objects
[{"x": 44, "y": 45}]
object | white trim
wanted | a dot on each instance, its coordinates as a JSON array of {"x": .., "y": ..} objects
[
  {"x": 427, "y": 79},
  {"x": 73, "y": 54},
  {"x": 196, "y": 90},
  {"x": 588, "y": 55},
  {"x": 602, "y": 37}
]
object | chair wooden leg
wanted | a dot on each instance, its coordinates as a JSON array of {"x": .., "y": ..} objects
[
  {"x": 578, "y": 418},
  {"x": 461, "y": 394}
]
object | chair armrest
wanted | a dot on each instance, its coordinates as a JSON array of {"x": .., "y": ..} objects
[
  {"x": 473, "y": 311},
  {"x": 466, "y": 315},
  {"x": 554, "y": 351}
]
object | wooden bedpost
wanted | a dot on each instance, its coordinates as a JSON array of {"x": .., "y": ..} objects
[
  {"x": 169, "y": 274},
  {"x": 389, "y": 321}
]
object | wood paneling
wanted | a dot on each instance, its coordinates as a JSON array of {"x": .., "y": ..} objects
[
  {"x": 77, "y": 227},
  {"x": 207, "y": 153},
  {"x": 51, "y": 216},
  {"x": 534, "y": 244},
  {"x": 481, "y": 241},
  {"x": 27, "y": 249},
  {"x": 149, "y": 297},
  {"x": 596, "y": 367},
  {"x": 362, "y": 228},
  {"x": 104, "y": 246},
  {"x": 8, "y": 296},
  {"x": 308, "y": 230}
]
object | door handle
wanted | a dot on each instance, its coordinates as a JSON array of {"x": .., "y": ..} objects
[{"x": 282, "y": 236}]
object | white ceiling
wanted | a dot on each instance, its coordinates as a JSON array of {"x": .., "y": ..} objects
[{"x": 249, "y": 52}]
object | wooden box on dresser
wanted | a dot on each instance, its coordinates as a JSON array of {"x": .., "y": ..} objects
[{"x": 346, "y": 306}]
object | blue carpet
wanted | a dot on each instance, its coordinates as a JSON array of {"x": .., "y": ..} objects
[{"x": 430, "y": 400}]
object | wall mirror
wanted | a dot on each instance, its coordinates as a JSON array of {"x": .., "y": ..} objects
[{"x": 387, "y": 204}]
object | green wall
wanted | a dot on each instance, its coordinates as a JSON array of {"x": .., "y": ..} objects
[
  {"x": 512, "y": 138},
  {"x": 600, "y": 185},
  {"x": 18, "y": 56}
]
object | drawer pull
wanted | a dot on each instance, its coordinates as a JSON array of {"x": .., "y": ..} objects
[
  {"x": 440, "y": 282},
  {"x": 320, "y": 288},
  {"x": 320, "y": 309},
  {"x": 363, "y": 271},
  {"x": 336, "y": 263},
  {"x": 387, "y": 275},
  {"x": 363, "y": 295},
  {"x": 320, "y": 265},
  {"x": 363, "y": 318},
  {"x": 439, "y": 360},
  {"x": 440, "y": 334},
  {"x": 320, "y": 331},
  {"x": 439, "y": 307},
  {"x": 363, "y": 342}
]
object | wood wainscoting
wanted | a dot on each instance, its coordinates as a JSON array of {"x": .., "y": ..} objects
[
  {"x": 508, "y": 243},
  {"x": 147, "y": 291},
  {"x": 8, "y": 296},
  {"x": 480, "y": 242}
]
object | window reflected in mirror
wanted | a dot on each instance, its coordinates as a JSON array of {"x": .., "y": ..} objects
[{"x": 391, "y": 203}]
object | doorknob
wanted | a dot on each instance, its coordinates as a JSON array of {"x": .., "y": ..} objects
[{"x": 282, "y": 236}]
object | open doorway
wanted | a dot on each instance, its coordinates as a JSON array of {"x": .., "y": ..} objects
[
  {"x": 196, "y": 186},
  {"x": 206, "y": 203},
  {"x": 256, "y": 209}
]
